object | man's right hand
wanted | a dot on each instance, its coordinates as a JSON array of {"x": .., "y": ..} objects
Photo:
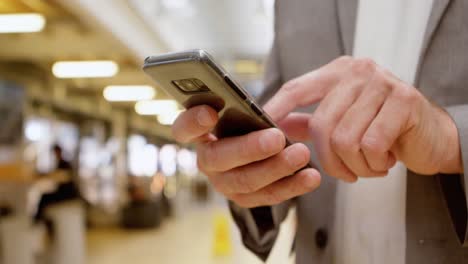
[{"x": 251, "y": 170}]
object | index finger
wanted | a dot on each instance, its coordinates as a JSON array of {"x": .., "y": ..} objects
[{"x": 306, "y": 89}]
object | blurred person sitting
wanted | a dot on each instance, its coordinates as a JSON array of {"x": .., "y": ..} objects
[
  {"x": 136, "y": 191},
  {"x": 64, "y": 188},
  {"x": 142, "y": 211}
]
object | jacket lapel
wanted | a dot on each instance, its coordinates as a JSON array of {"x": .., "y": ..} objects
[
  {"x": 438, "y": 11},
  {"x": 346, "y": 15}
]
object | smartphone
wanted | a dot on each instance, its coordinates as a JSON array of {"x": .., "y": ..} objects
[{"x": 193, "y": 78}]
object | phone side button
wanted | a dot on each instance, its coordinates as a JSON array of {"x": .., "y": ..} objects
[
  {"x": 257, "y": 110},
  {"x": 235, "y": 88}
]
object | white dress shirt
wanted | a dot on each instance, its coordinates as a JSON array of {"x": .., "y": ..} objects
[{"x": 370, "y": 217}]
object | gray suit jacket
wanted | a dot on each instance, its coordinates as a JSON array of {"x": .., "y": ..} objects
[{"x": 311, "y": 33}]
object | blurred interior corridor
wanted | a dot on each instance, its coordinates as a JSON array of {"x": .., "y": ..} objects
[
  {"x": 86, "y": 152},
  {"x": 189, "y": 238}
]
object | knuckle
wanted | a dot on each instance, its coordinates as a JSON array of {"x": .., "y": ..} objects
[
  {"x": 383, "y": 83},
  {"x": 316, "y": 124},
  {"x": 333, "y": 172},
  {"x": 289, "y": 89},
  {"x": 329, "y": 169},
  {"x": 367, "y": 63},
  {"x": 406, "y": 94},
  {"x": 337, "y": 173},
  {"x": 387, "y": 73},
  {"x": 336, "y": 169},
  {"x": 372, "y": 145},
  {"x": 208, "y": 157},
  {"x": 363, "y": 66},
  {"x": 379, "y": 163},
  {"x": 242, "y": 181},
  {"x": 290, "y": 85},
  {"x": 272, "y": 197},
  {"x": 207, "y": 169},
  {"x": 288, "y": 167},
  {"x": 342, "y": 142},
  {"x": 350, "y": 177},
  {"x": 249, "y": 144}
]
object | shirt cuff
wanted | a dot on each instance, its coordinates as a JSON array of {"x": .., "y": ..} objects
[
  {"x": 259, "y": 227},
  {"x": 455, "y": 188},
  {"x": 256, "y": 227}
]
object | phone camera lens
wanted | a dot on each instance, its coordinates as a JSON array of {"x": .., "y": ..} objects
[{"x": 191, "y": 85}]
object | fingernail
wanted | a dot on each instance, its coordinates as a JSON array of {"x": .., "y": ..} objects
[
  {"x": 293, "y": 159},
  {"x": 204, "y": 118},
  {"x": 270, "y": 141}
]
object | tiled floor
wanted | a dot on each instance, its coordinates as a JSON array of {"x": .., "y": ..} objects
[{"x": 187, "y": 238}]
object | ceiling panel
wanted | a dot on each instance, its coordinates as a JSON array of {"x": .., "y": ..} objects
[{"x": 229, "y": 29}]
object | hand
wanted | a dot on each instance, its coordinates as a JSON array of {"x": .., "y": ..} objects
[
  {"x": 367, "y": 119},
  {"x": 251, "y": 170}
]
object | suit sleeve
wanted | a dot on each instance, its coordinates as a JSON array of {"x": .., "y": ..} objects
[
  {"x": 455, "y": 186},
  {"x": 259, "y": 227}
]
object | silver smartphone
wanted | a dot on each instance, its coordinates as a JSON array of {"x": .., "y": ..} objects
[{"x": 193, "y": 78}]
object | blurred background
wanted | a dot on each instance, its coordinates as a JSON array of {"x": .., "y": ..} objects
[{"x": 89, "y": 172}]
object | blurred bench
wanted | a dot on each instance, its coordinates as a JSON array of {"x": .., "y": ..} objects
[
  {"x": 69, "y": 241},
  {"x": 19, "y": 239}
]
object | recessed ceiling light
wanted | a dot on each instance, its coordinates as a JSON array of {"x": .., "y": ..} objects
[
  {"x": 128, "y": 93},
  {"x": 156, "y": 107},
  {"x": 85, "y": 69},
  {"x": 22, "y": 23}
]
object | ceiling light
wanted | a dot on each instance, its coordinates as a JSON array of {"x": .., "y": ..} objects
[
  {"x": 35, "y": 129},
  {"x": 169, "y": 118},
  {"x": 21, "y": 23},
  {"x": 128, "y": 93},
  {"x": 85, "y": 69},
  {"x": 156, "y": 107}
]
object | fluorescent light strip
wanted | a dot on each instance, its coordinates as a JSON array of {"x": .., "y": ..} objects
[
  {"x": 85, "y": 69},
  {"x": 128, "y": 93},
  {"x": 156, "y": 107},
  {"x": 22, "y": 23}
]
